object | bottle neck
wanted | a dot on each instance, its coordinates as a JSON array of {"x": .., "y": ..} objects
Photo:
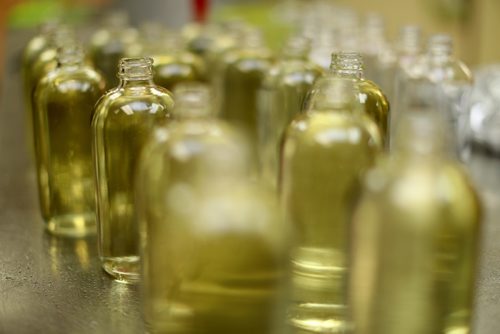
[
  {"x": 440, "y": 48},
  {"x": 297, "y": 48},
  {"x": 192, "y": 101},
  {"x": 410, "y": 40},
  {"x": 70, "y": 57},
  {"x": 135, "y": 72},
  {"x": 347, "y": 65}
]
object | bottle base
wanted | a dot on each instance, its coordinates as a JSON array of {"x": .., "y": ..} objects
[
  {"x": 75, "y": 226},
  {"x": 318, "y": 318},
  {"x": 124, "y": 269}
]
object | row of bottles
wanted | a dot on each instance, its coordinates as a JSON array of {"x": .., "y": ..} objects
[{"x": 182, "y": 184}]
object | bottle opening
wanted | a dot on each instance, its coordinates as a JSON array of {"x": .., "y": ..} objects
[
  {"x": 347, "y": 64},
  {"x": 192, "y": 99},
  {"x": 136, "y": 68}
]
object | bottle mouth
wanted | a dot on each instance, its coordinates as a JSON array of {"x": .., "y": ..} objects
[
  {"x": 136, "y": 68},
  {"x": 347, "y": 63},
  {"x": 440, "y": 44},
  {"x": 70, "y": 54}
]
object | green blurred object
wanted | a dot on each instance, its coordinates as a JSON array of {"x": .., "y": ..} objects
[
  {"x": 259, "y": 14},
  {"x": 32, "y": 13}
]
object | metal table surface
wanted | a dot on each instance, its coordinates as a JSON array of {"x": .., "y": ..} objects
[{"x": 55, "y": 285}]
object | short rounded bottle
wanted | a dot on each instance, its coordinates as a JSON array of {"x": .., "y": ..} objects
[
  {"x": 415, "y": 236},
  {"x": 324, "y": 152},
  {"x": 124, "y": 119},
  {"x": 64, "y": 106},
  {"x": 213, "y": 246}
]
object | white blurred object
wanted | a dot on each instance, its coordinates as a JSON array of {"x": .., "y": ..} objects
[{"x": 484, "y": 107}]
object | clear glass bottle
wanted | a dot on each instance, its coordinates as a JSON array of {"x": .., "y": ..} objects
[
  {"x": 324, "y": 152},
  {"x": 213, "y": 246},
  {"x": 452, "y": 79},
  {"x": 33, "y": 49},
  {"x": 173, "y": 64},
  {"x": 415, "y": 237},
  {"x": 124, "y": 119},
  {"x": 394, "y": 60},
  {"x": 109, "y": 44},
  {"x": 243, "y": 72},
  {"x": 281, "y": 97},
  {"x": 374, "y": 42},
  {"x": 63, "y": 110},
  {"x": 350, "y": 65}
]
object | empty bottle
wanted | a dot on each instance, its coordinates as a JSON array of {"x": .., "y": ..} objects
[
  {"x": 213, "y": 246},
  {"x": 64, "y": 106},
  {"x": 324, "y": 152},
  {"x": 451, "y": 78},
  {"x": 244, "y": 69},
  {"x": 124, "y": 119},
  {"x": 415, "y": 237}
]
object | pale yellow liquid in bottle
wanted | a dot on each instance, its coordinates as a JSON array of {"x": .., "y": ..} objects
[
  {"x": 415, "y": 242},
  {"x": 63, "y": 114},
  {"x": 124, "y": 120},
  {"x": 324, "y": 154},
  {"x": 213, "y": 251}
]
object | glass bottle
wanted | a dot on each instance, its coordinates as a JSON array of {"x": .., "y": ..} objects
[
  {"x": 415, "y": 237},
  {"x": 452, "y": 79},
  {"x": 123, "y": 120},
  {"x": 64, "y": 106},
  {"x": 109, "y": 44},
  {"x": 374, "y": 42},
  {"x": 244, "y": 69},
  {"x": 394, "y": 60},
  {"x": 213, "y": 246},
  {"x": 33, "y": 49},
  {"x": 41, "y": 58},
  {"x": 350, "y": 65},
  {"x": 173, "y": 64},
  {"x": 281, "y": 97},
  {"x": 325, "y": 150}
]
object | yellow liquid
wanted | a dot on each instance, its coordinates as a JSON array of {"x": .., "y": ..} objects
[
  {"x": 64, "y": 109},
  {"x": 323, "y": 155},
  {"x": 376, "y": 106},
  {"x": 170, "y": 70},
  {"x": 415, "y": 241},
  {"x": 242, "y": 77},
  {"x": 280, "y": 100},
  {"x": 124, "y": 120}
]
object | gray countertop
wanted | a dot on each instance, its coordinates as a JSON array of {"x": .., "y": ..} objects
[{"x": 54, "y": 285}]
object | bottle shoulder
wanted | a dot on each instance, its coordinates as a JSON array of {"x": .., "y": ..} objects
[{"x": 133, "y": 100}]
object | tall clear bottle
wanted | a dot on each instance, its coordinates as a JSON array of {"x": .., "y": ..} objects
[
  {"x": 415, "y": 238},
  {"x": 325, "y": 150},
  {"x": 124, "y": 119},
  {"x": 350, "y": 65},
  {"x": 281, "y": 97},
  {"x": 452, "y": 80},
  {"x": 243, "y": 72},
  {"x": 394, "y": 60},
  {"x": 109, "y": 44},
  {"x": 64, "y": 106},
  {"x": 213, "y": 246}
]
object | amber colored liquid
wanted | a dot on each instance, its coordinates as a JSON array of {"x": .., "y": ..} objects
[
  {"x": 323, "y": 156},
  {"x": 64, "y": 109},
  {"x": 124, "y": 120},
  {"x": 415, "y": 240}
]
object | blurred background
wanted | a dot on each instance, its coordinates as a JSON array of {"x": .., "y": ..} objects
[{"x": 474, "y": 24}]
